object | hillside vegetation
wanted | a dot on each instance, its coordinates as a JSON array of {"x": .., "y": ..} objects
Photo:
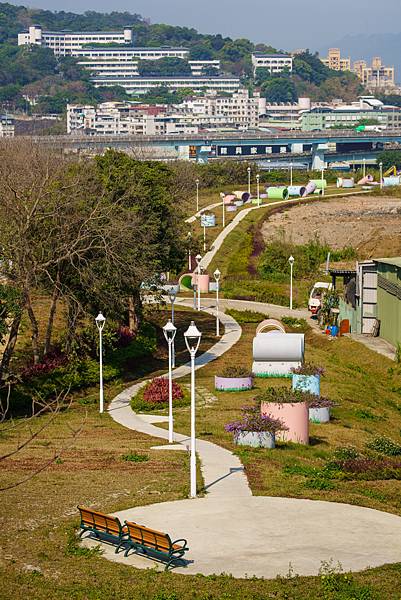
[{"x": 36, "y": 73}]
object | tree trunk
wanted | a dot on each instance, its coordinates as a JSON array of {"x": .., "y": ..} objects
[
  {"x": 50, "y": 322},
  {"x": 134, "y": 311},
  {"x": 35, "y": 329},
  {"x": 12, "y": 340},
  {"x": 72, "y": 322}
]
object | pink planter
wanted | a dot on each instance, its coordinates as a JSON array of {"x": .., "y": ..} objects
[
  {"x": 203, "y": 282},
  {"x": 294, "y": 416},
  {"x": 233, "y": 384}
]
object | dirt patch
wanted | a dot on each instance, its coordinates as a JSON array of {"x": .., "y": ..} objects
[{"x": 371, "y": 224}]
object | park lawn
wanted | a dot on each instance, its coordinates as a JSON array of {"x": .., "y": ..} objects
[
  {"x": 41, "y": 558},
  {"x": 367, "y": 388}
]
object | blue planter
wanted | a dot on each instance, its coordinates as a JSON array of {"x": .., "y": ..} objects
[{"x": 306, "y": 383}]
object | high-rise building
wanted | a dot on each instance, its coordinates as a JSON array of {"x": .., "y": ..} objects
[
  {"x": 374, "y": 77},
  {"x": 336, "y": 62}
]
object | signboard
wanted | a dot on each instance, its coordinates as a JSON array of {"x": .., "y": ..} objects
[{"x": 248, "y": 150}]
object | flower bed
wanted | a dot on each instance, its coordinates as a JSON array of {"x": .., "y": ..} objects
[
  {"x": 234, "y": 379},
  {"x": 254, "y": 429},
  {"x": 154, "y": 396}
]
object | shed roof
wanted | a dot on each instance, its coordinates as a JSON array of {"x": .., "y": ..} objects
[{"x": 395, "y": 261}]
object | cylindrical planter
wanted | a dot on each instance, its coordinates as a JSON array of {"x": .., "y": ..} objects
[
  {"x": 294, "y": 416},
  {"x": 320, "y": 183},
  {"x": 231, "y": 208},
  {"x": 389, "y": 181},
  {"x": 233, "y": 384},
  {"x": 309, "y": 189},
  {"x": 348, "y": 183},
  {"x": 319, "y": 415},
  {"x": 277, "y": 193},
  {"x": 239, "y": 203},
  {"x": 256, "y": 439},
  {"x": 306, "y": 383},
  {"x": 296, "y": 190},
  {"x": 203, "y": 282}
]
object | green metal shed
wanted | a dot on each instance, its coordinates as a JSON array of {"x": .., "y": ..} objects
[{"x": 389, "y": 298}]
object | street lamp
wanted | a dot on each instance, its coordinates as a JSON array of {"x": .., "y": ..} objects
[
  {"x": 172, "y": 294},
  {"x": 291, "y": 174},
  {"x": 258, "y": 188},
  {"x": 197, "y": 195},
  {"x": 189, "y": 238},
  {"x": 291, "y": 261},
  {"x": 381, "y": 175},
  {"x": 217, "y": 275},
  {"x": 204, "y": 236},
  {"x": 198, "y": 258},
  {"x": 224, "y": 210},
  {"x": 364, "y": 167},
  {"x": 249, "y": 180},
  {"x": 169, "y": 333},
  {"x": 192, "y": 338},
  {"x": 100, "y": 322}
]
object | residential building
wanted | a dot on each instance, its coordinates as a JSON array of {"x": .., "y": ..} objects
[
  {"x": 7, "y": 128},
  {"x": 238, "y": 110},
  {"x": 376, "y": 76},
  {"x": 142, "y": 85},
  {"x": 335, "y": 61},
  {"x": 349, "y": 115},
  {"x": 281, "y": 114},
  {"x": 67, "y": 42},
  {"x": 117, "y": 118},
  {"x": 274, "y": 63}
]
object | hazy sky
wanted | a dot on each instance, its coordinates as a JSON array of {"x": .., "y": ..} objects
[{"x": 285, "y": 24}]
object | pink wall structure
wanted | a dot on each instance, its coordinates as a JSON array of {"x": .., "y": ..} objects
[
  {"x": 294, "y": 416},
  {"x": 203, "y": 282}
]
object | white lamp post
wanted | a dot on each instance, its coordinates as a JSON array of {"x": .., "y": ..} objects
[
  {"x": 192, "y": 338},
  {"x": 291, "y": 261},
  {"x": 381, "y": 175},
  {"x": 189, "y": 237},
  {"x": 258, "y": 188},
  {"x": 323, "y": 181},
  {"x": 249, "y": 180},
  {"x": 198, "y": 258},
  {"x": 224, "y": 210},
  {"x": 217, "y": 275},
  {"x": 172, "y": 294},
  {"x": 204, "y": 237},
  {"x": 100, "y": 322},
  {"x": 169, "y": 333},
  {"x": 197, "y": 195},
  {"x": 291, "y": 174},
  {"x": 364, "y": 167}
]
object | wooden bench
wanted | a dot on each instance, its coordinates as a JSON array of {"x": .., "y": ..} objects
[
  {"x": 99, "y": 523},
  {"x": 154, "y": 542}
]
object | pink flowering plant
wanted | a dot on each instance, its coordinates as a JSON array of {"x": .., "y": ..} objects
[
  {"x": 156, "y": 391},
  {"x": 253, "y": 420},
  {"x": 308, "y": 369}
]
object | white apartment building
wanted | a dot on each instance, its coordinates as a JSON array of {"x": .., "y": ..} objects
[
  {"x": 238, "y": 110},
  {"x": 142, "y": 85},
  {"x": 275, "y": 63},
  {"x": 123, "y": 65},
  {"x": 131, "y": 53},
  {"x": 68, "y": 42},
  {"x": 7, "y": 128},
  {"x": 114, "y": 118}
]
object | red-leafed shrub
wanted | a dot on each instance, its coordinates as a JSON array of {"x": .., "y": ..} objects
[
  {"x": 156, "y": 391},
  {"x": 50, "y": 362}
]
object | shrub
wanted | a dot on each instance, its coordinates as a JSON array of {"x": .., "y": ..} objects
[
  {"x": 321, "y": 402},
  {"x": 135, "y": 457},
  {"x": 384, "y": 445},
  {"x": 308, "y": 369},
  {"x": 283, "y": 396},
  {"x": 294, "y": 323},
  {"x": 157, "y": 391},
  {"x": 236, "y": 372},
  {"x": 252, "y": 420},
  {"x": 50, "y": 362}
]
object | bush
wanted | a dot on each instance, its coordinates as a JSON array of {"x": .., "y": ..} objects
[
  {"x": 135, "y": 457},
  {"x": 157, "y": 391},
  {"x": 384, "y": 445},
  {"x": 308, "y": 369},
  {"x": 252, "y": 420},
  {"x": 293, "y": 323},
  {"x": 236, "y": 372},
  {"x": 283, "y": 395}
]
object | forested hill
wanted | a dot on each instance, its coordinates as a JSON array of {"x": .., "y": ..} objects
[{"x": 37, "y": 73}]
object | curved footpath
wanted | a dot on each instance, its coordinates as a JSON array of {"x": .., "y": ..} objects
[{"x": 231, "y": 531}]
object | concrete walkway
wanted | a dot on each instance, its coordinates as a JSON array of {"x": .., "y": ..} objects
[{"x": 376, "y": 344}]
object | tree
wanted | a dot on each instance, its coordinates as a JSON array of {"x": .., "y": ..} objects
[
  {"x": 169, "y": 66},
  {"x": 279, "y": 89},
  {"x": 390, "y": 158}
]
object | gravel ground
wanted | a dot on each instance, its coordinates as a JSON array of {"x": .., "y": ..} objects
[{"x": 372, "y": 224}]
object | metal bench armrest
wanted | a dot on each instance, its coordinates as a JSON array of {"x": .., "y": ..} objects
[{"x": 185, "y": 547}]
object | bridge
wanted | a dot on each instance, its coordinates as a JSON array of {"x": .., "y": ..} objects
[{"x": 318, "y": 148}]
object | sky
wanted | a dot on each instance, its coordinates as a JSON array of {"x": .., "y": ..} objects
[{"x": 285, "y": 24}]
